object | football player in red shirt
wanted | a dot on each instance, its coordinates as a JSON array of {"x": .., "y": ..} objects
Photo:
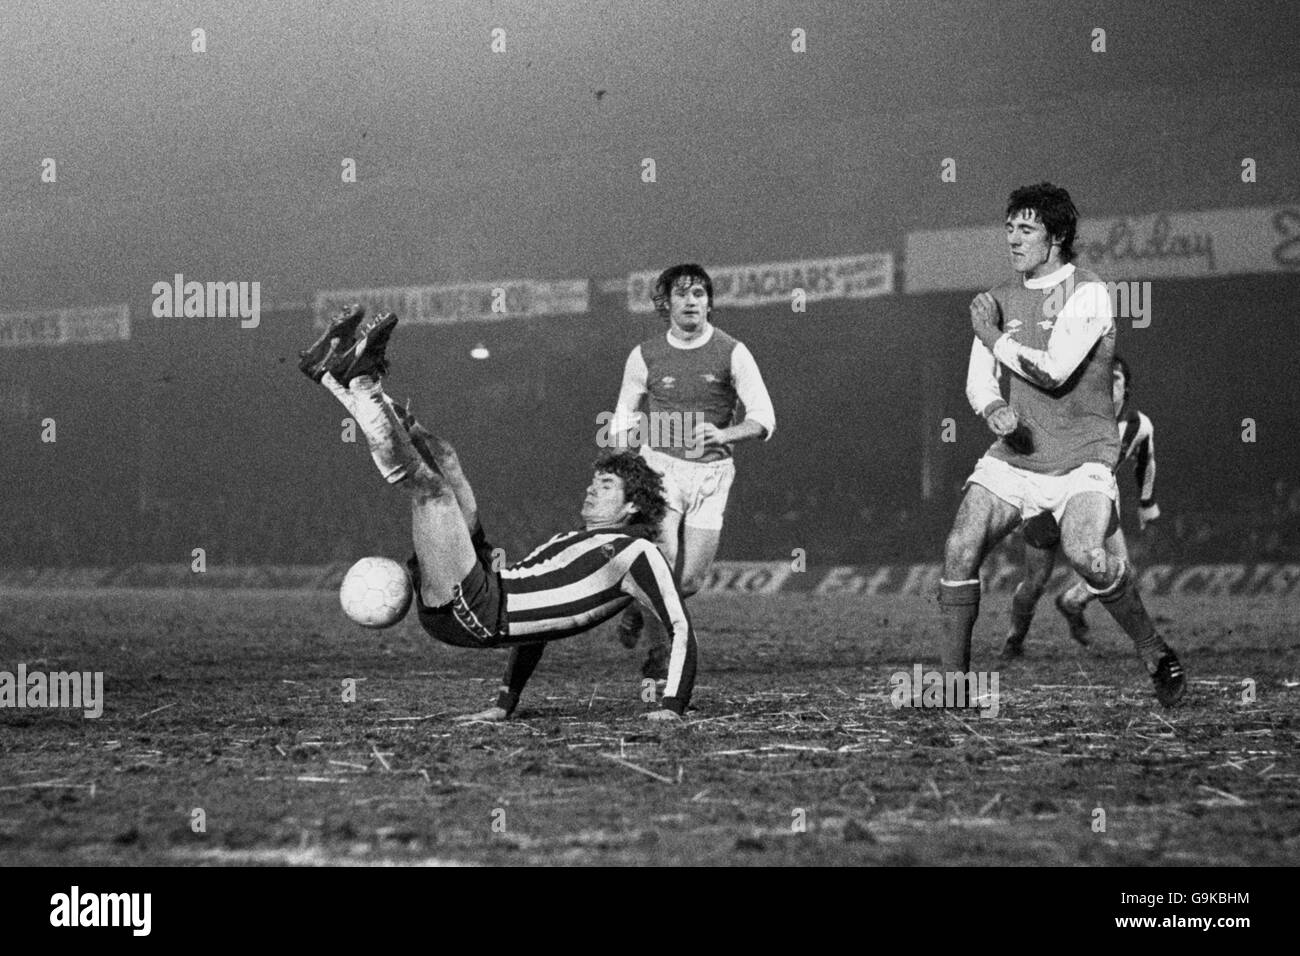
[
  {"x": 691, "y": 379},
  {"x": 1055, "y": 446},
  {"x": 1136, "y": 442}
]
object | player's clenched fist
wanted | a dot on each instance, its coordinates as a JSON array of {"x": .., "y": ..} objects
[
  {"x": 708, "y": 435},
  {"x": 1003, "y": 421},
  {"x": 984, "y": 314}
]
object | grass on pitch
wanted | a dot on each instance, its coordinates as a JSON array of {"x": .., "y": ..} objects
[{"x": 232, "y": 703}]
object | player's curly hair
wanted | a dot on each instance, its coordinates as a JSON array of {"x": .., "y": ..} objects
[
  {"x": 1118, "y": 363},
  {"x": 642, "y": 486},
  {"x": 691, "y": 272},
  {"x": 1055, "y": 210}
]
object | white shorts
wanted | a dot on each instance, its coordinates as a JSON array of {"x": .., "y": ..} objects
[
  {"x": 1032, "y": 492},
  {"x": 698, "y": 490}
]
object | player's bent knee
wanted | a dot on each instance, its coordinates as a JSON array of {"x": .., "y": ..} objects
[
  {"x": 433, "y": 596},
  {"x": 443, "y": 452},
  {"x": 1096, "y": 566},
  {"x": 429, "y": 487}
]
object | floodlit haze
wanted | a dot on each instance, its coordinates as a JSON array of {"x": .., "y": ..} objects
[{"x": 475, "y": 165}]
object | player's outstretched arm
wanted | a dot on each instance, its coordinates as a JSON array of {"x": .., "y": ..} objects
[
  {"x": 523, "y": 661},
  {"x": 1145, "y": 472},
  {"x": 650, "y": 580}
]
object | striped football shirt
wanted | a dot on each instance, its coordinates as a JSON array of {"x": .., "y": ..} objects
[
  {"x": 579, "y": 579},
  {"x": 1137, "y": 440}
]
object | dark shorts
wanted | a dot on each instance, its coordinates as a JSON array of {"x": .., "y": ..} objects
[{"x": 476, "y": 614}]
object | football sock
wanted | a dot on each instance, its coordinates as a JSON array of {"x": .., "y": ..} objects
[
  {"x": 1125, "y": 605},
  {"x": 1023, "y": 602},
  {"x": 418, "y": 437},
  {"x": 959, "y": 602},
  {"x": 390, "y": 446},
  {"x": 404, "y": 418},
  {"x": 339, "y": 392}
]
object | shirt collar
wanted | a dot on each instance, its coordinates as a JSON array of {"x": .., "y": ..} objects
[
  {"x": 1051, "y": 279},
  {"x": 702, "y": 341}
]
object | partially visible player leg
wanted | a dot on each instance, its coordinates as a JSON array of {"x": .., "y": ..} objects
[
  {"x": 700, "y": 547},
  {"x": 706, "y": 492},
  {"x": 1039, "y": 564},
  {"x": 1073, "y": 600},
  {"x": 442, "y": 540},
  {"x": 439, "y": 531},
  {"x": 390, "y": 445},
  {"x": 982, "y": 521},
  {"x": 1070, "y": 603},
  {"x": 439, "y": 455},
  {"x": 1078, "y": 596},
  {"x": 1088, "y": 521}
]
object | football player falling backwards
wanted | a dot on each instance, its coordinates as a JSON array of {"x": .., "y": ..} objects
[{"x": 568, "y": 585}]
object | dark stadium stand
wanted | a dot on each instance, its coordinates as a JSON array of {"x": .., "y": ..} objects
[{"x": 201, "y": 434}]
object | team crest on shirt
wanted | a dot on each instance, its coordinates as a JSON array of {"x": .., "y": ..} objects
[
  {"x": 1014, "y": 325},
  {"x": 1046, "y": 324},
  {"x": 668, "y": 381},
  {"x": 608, "y": 550},
  {"x": 710, "y": 377}
]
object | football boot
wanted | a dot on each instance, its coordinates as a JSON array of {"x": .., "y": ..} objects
[
  {"x": 315, "y": 359},
  {"x": 365, "y": 354}
]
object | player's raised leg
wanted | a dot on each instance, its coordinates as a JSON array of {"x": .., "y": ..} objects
[
  {"x": 982, "y": 521},
  {"x": 1088, "y": 520},
  {"x": 439, "y": 455},
  {"x": 442, "y": 540},
  {"x": 352, "y": 373}
]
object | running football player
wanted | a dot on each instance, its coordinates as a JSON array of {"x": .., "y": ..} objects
[
  {"x": 570, "y": 584},
  {"x": 694, "y": 374},
  {"x": 1136, "y": 442},
  {"x": 1055, "y": 446}
]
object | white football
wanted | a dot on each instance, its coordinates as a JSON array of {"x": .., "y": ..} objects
[{"x": 376, "y": 592}]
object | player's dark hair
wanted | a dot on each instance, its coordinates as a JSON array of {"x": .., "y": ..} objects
[
  {"x": 1054, "y": 209},
  {"x": 642, "y": 486},
  {"x": 689, "y": 271},
  {"x": 1118, "y": 363}
]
